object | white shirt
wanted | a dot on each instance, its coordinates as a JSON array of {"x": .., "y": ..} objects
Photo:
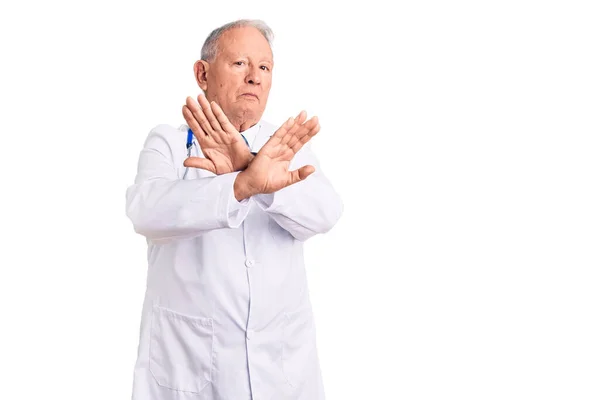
[
  {"x": 227, "y": 313},
  {"x": 250, "y": 133}
]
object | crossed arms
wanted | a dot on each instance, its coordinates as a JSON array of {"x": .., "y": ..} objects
[{"x": 163, "y": 207}]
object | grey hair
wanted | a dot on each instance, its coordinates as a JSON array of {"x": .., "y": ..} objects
[{"x": 210, "y": 47}]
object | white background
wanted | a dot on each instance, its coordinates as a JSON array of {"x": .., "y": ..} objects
[{"x": 463, "y": 137}]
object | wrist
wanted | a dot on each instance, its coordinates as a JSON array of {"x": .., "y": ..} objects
[
  {"x": 242, "y": 165},
  {"x": 250, "y": 158},
  {"x": 241, "y": 187}
]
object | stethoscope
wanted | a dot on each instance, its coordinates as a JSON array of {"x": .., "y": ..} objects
[{"x": 188, "y": 145}]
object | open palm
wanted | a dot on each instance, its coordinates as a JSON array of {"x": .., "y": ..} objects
[
  {"x": 223, "y": 147},
  {"x": 269, "y": 170}
]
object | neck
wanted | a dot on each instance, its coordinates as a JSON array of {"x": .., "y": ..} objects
[
  {"x": 241, "y": 119},
  {"x": 241, "y": 123},
  {"x": 245, "y": 126}
]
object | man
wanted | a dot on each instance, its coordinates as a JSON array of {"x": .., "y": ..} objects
[{"x": 227, "y": 313}]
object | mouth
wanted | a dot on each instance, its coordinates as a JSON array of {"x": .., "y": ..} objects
[{"x": 250, "y": 95}]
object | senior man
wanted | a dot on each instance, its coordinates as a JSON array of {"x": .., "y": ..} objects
[{"x": 227, "y": 313}]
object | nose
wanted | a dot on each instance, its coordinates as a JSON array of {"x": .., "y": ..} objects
[{"x": 253, "y": 76}]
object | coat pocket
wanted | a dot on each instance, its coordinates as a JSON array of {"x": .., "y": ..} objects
[
  {"x": 181, "y": 350},
  {"x": 298, "y": 347}
]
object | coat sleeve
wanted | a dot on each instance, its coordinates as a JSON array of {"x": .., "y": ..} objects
[
  {"x": 305, "y": 208},
  {"x": 163, "y": 207}
]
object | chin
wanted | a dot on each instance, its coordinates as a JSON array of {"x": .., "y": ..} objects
[{"x": 250, "y": 110}]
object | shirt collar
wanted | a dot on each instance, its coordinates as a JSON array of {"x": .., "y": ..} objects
[{"x": 251, "y": 133}]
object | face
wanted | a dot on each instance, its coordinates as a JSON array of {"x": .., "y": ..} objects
[{"x": 239, "y": 78}]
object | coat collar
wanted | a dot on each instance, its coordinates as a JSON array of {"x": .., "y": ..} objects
[{"x": 263, "y": 133}]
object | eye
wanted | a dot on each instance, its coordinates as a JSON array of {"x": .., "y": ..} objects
[
  {"x": 264, "y": 68},
  {"x": 240, "y": 63}
]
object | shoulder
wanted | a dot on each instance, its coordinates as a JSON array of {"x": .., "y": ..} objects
[
  {"x": 167, "y": 139},
  {"x": 169, "y": 133}
]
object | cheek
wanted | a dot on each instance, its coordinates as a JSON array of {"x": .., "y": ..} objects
[
  {"x": 224, "y": 87},
  {"x": 267, "y": 86},
  {"x": 267, "y": 81}
]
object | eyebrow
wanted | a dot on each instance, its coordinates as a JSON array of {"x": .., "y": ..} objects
[{"x": 233, "y": 55}]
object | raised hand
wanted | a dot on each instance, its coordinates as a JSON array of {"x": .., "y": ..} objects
[
  {"x": 221, "y": 144},
  {"x": 269, "y": 170}
]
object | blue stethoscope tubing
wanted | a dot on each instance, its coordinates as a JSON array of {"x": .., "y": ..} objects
[{"x": 188, "y": 145}]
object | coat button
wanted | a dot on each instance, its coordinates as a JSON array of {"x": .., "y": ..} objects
[
  {"x": 249, "y": 334},
  {"x": 249, "y": 263}
]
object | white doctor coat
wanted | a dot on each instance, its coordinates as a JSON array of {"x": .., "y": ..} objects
[{"x": 227, "y": 313}]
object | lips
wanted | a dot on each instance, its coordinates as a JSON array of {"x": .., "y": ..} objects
[{"x": 250, "y": 95}]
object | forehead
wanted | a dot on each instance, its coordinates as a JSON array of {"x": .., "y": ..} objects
[{"x": 244, "y": 41}]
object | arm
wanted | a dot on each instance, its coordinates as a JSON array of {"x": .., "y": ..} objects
[
  {"x": 302, "y": 209},
  {"x": 308, "y": 207},
  {"x": 163, "y": 207}
]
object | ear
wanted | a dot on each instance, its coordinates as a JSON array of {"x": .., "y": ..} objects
[{"x": 200, "y": 70}]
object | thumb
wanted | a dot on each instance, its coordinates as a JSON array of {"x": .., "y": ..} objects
[
  {"x": 301, "y": 173},
  {"x": 200, "y": 163},
  {"x": 305, "y": 171}
]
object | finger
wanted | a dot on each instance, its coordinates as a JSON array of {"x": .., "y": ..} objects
[
  {"x": 303, "y": 131},
  {"x": 223, "y": 120},
  {"x": 300, "y": 174},
  {"x": 290, "y": 133},
  {"x": 311, "y": 123},
  {"x": 300, "y": 118},
  {"x": 298, "y": 122},
  {"x": 193, "y": 124},
  {"x": 206, "y": 108},
  {"x": 200, "y": 163},
  {"x": 200, "y": 117},
  {"x": 191, "y": 121},
  {"x": 306, "y": 138},
  {"x": 304, "y": 172},
  {"x": 280, "y": 133}
]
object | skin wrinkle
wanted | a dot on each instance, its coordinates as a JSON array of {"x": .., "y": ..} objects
[
  {"x": 224, "y": 81},
  {"x": 236, "y": 86}
]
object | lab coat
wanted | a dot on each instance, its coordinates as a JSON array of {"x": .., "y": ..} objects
[{"x": 227, "y": 313}]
